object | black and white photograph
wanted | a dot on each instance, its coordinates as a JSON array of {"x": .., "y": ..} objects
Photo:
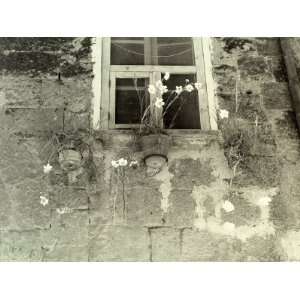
[{"x": 121, "y": 147}]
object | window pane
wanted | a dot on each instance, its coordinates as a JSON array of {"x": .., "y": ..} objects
[
  {"x": 183, "y": 113},
  {"x": 172, "y": 51},
  {"x": 131, "y": 99},
  {"x": 127, "y": 51},
  {"x": 175, "y": 51}
]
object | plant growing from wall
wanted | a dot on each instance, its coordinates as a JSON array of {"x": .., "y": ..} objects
[
  {"x": 154, "y": 139},
  {"x": 121, "y": 167}
]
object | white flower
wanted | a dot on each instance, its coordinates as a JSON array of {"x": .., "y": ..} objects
[
  {"x": 228, "y": 206},
  {"x": 47, "y": 168},
  {"x": 189, "y": 88},
  {"x": 224, "y": 113},
  {"x": 178, "y": 90},
  {"x": 162, "y": 88},
  {"x": 43, "y": 200},
  {"x": 115, "y": 163},
  {"x": 123, "y": 162},
  {"x": 167, "y": 76},
  {"x": 151, "y": 89},
  {"x": 264, "y": 201},
  {"x": 159, "y": 103},
  {"x": 198, "y": 85},
  {"x": 133, "y": 164}
]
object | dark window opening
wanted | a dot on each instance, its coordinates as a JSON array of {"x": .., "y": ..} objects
[
  {"x": 131, "y": 100},
  {"x": 183, "y": 113}
]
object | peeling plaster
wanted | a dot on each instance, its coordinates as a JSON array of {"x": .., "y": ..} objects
[
  {"x": 165, "y": 187},
  {"x": 214, "y": 224},
  {"x": 291, "y": 245}
]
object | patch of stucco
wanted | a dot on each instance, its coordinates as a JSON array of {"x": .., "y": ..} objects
[
  {"x": 260, "y": 226},
  {"x": 164, "y": 176},
  {"x": 291, "y": 245}
]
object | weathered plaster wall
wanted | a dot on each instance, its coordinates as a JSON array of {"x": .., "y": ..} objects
[{"x": 176, "y": 214}]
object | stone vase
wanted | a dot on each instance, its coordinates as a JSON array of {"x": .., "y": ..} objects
[
  {"x": 155, "y": 149},
  {"x": 70, "y": 159}
]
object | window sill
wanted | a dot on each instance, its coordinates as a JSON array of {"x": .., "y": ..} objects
[{"x": 171, "y": 132}]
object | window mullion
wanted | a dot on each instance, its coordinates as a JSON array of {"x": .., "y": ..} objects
[
  {"x": 156, "y": 112},
  {"x": 147, "y": 51},
  {"x": 203, "y": 101},
  {"x": 154, "y": 51}
]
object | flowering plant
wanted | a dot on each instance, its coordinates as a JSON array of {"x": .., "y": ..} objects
[
  {"x": 121, "y": 166},
  {"x": 159, "y": 105}
]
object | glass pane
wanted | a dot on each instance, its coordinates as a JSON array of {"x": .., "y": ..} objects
[
  {"x": 172, "y": 51},
  {"x": 183, "y": 113},
  {"x": 176, "y": 51},
  {"x": 127, "y": 51},
  {"x": 131, "y": 100}
]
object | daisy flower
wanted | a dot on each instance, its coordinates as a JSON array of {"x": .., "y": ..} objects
[
  {"x": 47, "y": 168},
  {"x": 224, "y": 113},
  {"x": 123, "y": 162},
  {"x": 43, "y": 200},
  {"x": 151, "y": 89},
  {"x": 159, "y": 103},
  {"x": 189, "y": 88}
]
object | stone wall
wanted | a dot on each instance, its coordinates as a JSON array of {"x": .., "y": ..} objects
[{"x": 178, "y": 214}]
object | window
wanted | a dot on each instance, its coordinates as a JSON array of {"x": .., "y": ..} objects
[{"x": 130, "y": 64}]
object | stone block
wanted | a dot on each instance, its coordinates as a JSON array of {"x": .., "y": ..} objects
[
  {"x": 29, "y": 62},
  {"x": 285, "y": 207},
  {"x": 262, "y": 249},
  {"x": 268, "y": 46},
  {"x": 21, "y": 245},
  {"x": 66, "y": 253},
  {"x": 27, "y": 213},
  {"x": 288, "y": 149},
  {"x": 166, "y": 244},
  {"x": 250, "y": 108},
  {"x": 189, "y": 172},
  {"x": 119, "y": 243},
  {"x": 70, "y": 197},
  {"x": 77, "y": 121},
  {"x": 276, "y": 96},
  {"x": 100, "y": 208},
  {"x": 34, "y": 43},
  {"x": 285, "y": 125},
  {"x": 39, "y": 121},
  {"x": 144, "y": 207},
  {"x": 204, "y": 246},
  {"x": 6, "y": 207},
  {"x": 181, "y": 212},
  {"x": 251, "y": 65}
]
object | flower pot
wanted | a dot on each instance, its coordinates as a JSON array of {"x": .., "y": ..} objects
[
  {"x": 69, "y": 159},
  {"x": 155, "y": 149}
]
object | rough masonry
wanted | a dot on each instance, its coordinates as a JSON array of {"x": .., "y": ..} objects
[{"x": 175, "y": 215}]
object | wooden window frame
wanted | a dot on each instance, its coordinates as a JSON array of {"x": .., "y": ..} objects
[{"x": 104, "y": 98}]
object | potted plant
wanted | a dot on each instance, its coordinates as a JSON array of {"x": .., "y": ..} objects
[
  {"x": 69, "y": 157},
  {"x": 154, "y": 139},
  {"x": 70, "y": 149}
]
